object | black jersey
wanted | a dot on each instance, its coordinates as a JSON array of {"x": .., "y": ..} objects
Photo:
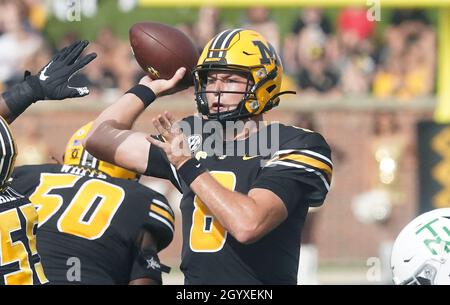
[
  {"x": 93, "y": 222},
  {"x": 293, "y": 163},
  {"x": 20, "y": 263}
]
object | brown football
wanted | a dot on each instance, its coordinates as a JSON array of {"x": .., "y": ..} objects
[{"x": 161, "y": 50}]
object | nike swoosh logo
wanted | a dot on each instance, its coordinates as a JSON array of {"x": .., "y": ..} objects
[
  {"x": 245, "y": 158},
  {"x": 42, "y": 75},
  {"x": 408, "y": 260},
  {"x": 197, "y": 166}
]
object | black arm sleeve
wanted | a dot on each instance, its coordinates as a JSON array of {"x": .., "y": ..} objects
[
  {"x": 159, "y": 166},
  {"x": 146, "y": 262}
]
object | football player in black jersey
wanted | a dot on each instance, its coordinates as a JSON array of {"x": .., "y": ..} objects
[
  {"x": 97, "y": 224},
  {"x": 243, "y": 206},
  {"x": 20, "y": 263}
]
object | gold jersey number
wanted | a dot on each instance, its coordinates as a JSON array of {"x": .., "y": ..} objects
[
  {"x": 16, "y": 251},
  {"x": 73, "y": 220},
  {"x": 207, "y": 234}
]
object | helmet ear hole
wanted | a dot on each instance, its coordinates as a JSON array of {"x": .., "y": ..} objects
[{"x": 271, "y": 88}]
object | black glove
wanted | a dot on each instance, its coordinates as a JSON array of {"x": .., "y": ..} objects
[
  {"x": 55, "y": 76},
  {"x": 52, "y": 82}
]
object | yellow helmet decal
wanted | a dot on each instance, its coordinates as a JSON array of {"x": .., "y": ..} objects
[{"x": 75, "y": 154}]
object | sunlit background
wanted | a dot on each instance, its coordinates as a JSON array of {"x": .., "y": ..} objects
[{"x": 371, "y": 76}]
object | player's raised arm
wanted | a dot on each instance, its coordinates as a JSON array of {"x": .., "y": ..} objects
[
  {"x": 111, "y": 138},
  {"x": 51, "y": 83},
  {"x": 164, "y": 53}
]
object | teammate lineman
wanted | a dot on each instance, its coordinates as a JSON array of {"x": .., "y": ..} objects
[{"x": 97, "y": 225}]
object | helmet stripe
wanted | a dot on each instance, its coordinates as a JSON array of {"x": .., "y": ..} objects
[
  {"x": 219, "y": 38},
  {"x": 88, "y": 160},
  {"x": 94, "y": 162},
  {"x": 8, "y": 152},
  {"x": 217, "y": 42},
  {"x": 227, "y": 41},
  {"x": 83, "y": 158}
]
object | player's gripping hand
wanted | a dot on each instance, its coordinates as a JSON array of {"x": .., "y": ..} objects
[
  {"x": 52, "y": 82},
  {"x": 163, "y": 87},
  {"x": 175, "y": 144}
]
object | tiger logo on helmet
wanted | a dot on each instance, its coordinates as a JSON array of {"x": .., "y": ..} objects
[
  {"x": 245, "y": 52},
  {"x": 75, "y": 154}
]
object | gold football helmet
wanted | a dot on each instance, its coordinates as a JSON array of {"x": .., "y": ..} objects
[
  {"x": 76, "y": 155},
  {"x": 244, "y": 52}
]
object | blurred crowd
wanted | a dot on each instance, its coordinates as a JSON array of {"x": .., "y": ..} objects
[
  {"x": 348, "y": 58},
  {"x": 345, "y": 56},
  {"x": 24, "y": 47}
]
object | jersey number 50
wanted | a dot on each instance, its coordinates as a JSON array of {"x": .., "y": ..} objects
[{"x": 74, "y": 219}]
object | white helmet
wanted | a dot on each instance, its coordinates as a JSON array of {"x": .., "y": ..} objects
[{"x": 421, "y": 252}]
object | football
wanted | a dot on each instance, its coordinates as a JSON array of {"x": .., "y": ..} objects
[{"x": 161, "y": 50}]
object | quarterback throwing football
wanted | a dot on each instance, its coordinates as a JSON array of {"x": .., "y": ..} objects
[{"x": 243, "y": 206}]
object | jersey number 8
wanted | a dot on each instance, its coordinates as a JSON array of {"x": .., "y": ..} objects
[{"x": 207, "y": 234}]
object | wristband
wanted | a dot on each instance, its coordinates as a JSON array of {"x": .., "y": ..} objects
[
  {"x": 190, "y": 170},
  {"x": 22, "y": 95},
  {"x": 144, "y": 93}
]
